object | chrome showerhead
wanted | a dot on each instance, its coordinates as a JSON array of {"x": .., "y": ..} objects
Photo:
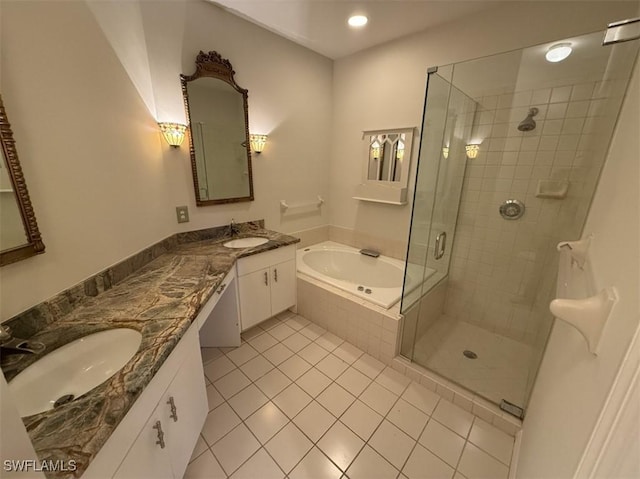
[{"x": 529, "y": 123}]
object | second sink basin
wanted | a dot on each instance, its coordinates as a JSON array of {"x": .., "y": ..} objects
[
  {"x": 73, "y": 369},
  {"x": 245, "y": 242}
]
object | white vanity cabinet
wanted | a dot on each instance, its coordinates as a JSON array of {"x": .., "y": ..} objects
[
  {"x": 158, "y": 445},
  {"x": 267, "y": 284}
]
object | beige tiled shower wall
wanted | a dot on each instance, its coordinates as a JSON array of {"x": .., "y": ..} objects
[{"x": 502, "y": 273}]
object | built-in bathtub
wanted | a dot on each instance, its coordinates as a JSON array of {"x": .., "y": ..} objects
[{"x": 378, "y": 280}]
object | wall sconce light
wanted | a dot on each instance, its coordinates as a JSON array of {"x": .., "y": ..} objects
[
  {"x": 258, "y": 142},
  {"x": 173, "y": 133},
  {"x": 472, "y": 151},
  {"x": 445, "y": 152}
]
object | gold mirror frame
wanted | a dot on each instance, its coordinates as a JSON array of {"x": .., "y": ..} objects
[
  {"x": 212, "y": 65},
  {"x": 34, "y": 243}
]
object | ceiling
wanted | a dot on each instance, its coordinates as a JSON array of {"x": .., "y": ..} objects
[{"x": 321, "y": 25}]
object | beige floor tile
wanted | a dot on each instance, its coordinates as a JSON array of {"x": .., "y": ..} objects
[
  {"x": 205, "y": 467},
  {"x": 210, "y": 354},
  {"x": 232, "y": 383},
  {"x": 454, "y": 417},
  {"x": 214, "y": 398},
  {"x": 273, "y": 383},
  {"x": 235, "y": 448},
  {"x": 477, "y": 464},
  {"x": 348, "y": 352},
  {"x": 332, "y": 366},
  {"x": 315, "y": 465},
  {"x": 421, "y": 397},
  {"x": 354, "y": 381},
  {"x": 201, "y": 446},
  {"x": 247, "y": 401},
  {"x": 329, "y": 341},
  {"x": 313, "y": 382},
  {"x": 369, "y": 365},
  {"x": 294, "y": 367},
  {"x": 281, "y": 331},
  {"x": 292, "y": 400},
  {"x": 378, "y": 398},
  {"x": 408, "y": 418},
  {"x": 256, "y": 368},
  {"x": 277, "y": 354},
  {"x": 263, "y": 342},
  {"x": 335, "y": 399},
  {"x": 296, "y": 342},
  {"x": 492, "y": 440},
  {"x": 313, "y": 353},
  {"x": 341, "y": 445},
  {"x": 443, "y": 442},
  {"x": 241, "y": 355},
  {"x": 218, "y": 368},
  {"x": 312, "y": 331},
  {"x": 393, "y": 380},
  {"x": 288, "y": 447},
  {"x": 266, "y": 422},
  {"x": 218, "y": 423},
  {"x": 393, "y": 444},
  {"x": 261, "y": 466},
  {"x": 314, "y": 421},
  {"x": 423, "y": 464},
  {"x": 361, "y": 419},
  {"x": 371, "y": 465}
]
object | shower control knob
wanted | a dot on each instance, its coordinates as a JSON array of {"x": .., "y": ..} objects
[{"x": 511, "y": 209}]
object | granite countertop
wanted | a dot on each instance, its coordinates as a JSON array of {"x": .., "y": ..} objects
[{"x": 161, "y": 300}]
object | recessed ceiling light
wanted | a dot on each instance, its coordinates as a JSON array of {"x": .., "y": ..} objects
[
  {"x": 358, "y": 20},
  {"x": 558, "y": 52}
]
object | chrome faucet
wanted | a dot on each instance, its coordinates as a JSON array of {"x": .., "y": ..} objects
[
  {"x": 233, "y": 228},
  {"x": 11, "y": 345}
]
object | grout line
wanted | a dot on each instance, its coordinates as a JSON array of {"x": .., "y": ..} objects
[{"x": 315, "y": 399}]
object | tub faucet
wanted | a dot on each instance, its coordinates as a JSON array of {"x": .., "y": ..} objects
[{"x": 11, "y": 345}]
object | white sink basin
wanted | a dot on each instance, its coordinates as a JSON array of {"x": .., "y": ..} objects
[
  {"x": 245, "y": 242},
  {"x": 73, "y": 369}
]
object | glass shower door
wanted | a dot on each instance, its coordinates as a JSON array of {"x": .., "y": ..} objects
[{"x": 446, "y": 130}]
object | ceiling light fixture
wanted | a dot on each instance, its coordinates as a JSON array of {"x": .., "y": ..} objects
[
  {"x": 357, "y": 21},
  {"x": 558, "y": 52}
]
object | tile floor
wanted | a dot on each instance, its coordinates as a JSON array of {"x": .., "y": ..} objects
[
  {"x": 501, "y": 370},
  {"x": 294, "y": 401}
]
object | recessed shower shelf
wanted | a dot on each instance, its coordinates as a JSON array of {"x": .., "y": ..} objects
[{"x": 578, "y": 302}]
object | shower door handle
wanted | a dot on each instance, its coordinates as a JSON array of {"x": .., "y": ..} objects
[{"x": 441, "y": 244}]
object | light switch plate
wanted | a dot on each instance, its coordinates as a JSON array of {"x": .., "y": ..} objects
[{"x": 182, "y": 212}]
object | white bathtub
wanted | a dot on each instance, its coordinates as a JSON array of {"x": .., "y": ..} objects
[{"x": 378, "y": 280}]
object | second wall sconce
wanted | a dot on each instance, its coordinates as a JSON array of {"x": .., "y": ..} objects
[
  {"x": 173, "y": 133},
  {"x": 472, "y": 151},
  {"x": 258, "y": 142}
]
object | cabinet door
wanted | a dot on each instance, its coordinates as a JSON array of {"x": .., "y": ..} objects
[
  {"x": 147, "y": 459},
  {"x": 283, "y": 286},
  {"x": 185, "y": 410},
  {"x": 255, "y": 298}
]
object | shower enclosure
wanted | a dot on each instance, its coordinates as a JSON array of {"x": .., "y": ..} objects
[{"x": 511, "y": 151}]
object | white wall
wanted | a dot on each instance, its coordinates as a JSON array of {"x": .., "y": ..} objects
[
  {"x": 383, "y": 87},
  {"x": 84, "y": 87},
  {"x": 572, "y": 384}
]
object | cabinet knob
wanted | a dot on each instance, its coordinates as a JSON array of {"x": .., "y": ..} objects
[
  {"x": 174, "y": 409},
  {"x": 160, "y": 440},
  {"x": 266, "y": 278},
  {"x": 221, "y": 288},
  {"x": 275, "y": 274}
]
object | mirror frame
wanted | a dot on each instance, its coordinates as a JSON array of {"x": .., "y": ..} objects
[
  {"x": 212, "y": 65},
  {"x": 34, "y": 243}
]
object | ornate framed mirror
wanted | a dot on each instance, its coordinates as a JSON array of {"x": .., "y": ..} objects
[
  {"x": 19, "y": 234},
  {"x": 218, "y": 117}
]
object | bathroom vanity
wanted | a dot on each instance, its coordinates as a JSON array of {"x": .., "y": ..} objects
[{"x": 187, "y": 291}]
